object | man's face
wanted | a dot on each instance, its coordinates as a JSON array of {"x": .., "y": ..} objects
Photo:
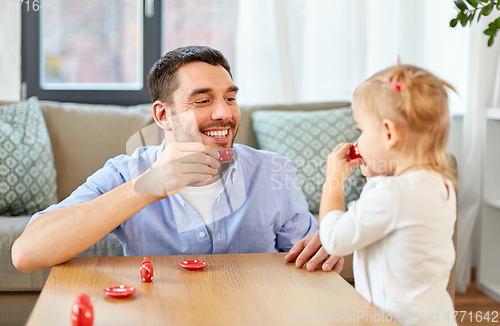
[{"x": 209, "y": 93}]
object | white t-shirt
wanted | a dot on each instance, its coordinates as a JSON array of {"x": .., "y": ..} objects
[
  {"x": 400, "y": 230},
  {"x": 201, "y": 199}
]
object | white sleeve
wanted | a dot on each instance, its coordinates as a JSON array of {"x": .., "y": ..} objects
[{"x": 370, "y": 218}]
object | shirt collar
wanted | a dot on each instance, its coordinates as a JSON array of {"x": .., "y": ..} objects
[{"x": 232, "y": 196}]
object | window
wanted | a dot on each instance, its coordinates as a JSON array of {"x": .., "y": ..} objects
[
  {"x": 96, "y": 51},
  {"x": 209, "y": 22},
  {"x": 68, "y": 56}
]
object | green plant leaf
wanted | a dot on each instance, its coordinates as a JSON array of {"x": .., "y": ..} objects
[
  {"x": 471, "y": 17},
  {"x": 453, "y": 22},
  {"x": 463, "y": 19},
  {"x": 490, "y": 40},
  {"x": 461, "y": 5},
  {"x": 490, "y": 32},
  {"x": 496, "y": 23},
  {"x": 487, "y": 9},
  {"x": 485, "y": 1},
  {"x": 473, "y": 3},
  {"x": 498, "y": 5},
  {"x": 479, "y": 17}
]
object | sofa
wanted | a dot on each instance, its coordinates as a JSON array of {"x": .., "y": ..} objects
[{"x": 83, "y": 137}]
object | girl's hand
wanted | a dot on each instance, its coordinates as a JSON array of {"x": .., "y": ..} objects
[{"x": 339, "y": 165}]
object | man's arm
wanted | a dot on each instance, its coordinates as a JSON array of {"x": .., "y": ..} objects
[{"x": 59, "y": 235}]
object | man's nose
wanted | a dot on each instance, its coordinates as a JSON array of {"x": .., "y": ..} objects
[{"x": 221, "y": 111}]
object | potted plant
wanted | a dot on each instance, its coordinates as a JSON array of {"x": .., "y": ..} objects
[{"x": 472, "y": 8}]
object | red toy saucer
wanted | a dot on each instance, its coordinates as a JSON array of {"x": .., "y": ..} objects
[
  {"x": 193, "y": 265},
  {"x": 120, "y": 291}
]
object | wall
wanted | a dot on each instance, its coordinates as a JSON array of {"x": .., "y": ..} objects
[{"x": 10, "y": 53}]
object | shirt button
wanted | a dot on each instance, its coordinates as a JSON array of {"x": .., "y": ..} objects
[
  {"x": 202, "y": 234},
  {"x": 218, "y": 199},
  {"x": 183, "y": 203}
]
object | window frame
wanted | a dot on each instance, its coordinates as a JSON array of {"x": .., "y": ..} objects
[{"x": 30, "y": 64}]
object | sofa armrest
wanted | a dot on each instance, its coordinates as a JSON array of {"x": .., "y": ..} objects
[{"x": 12, "y": 279}]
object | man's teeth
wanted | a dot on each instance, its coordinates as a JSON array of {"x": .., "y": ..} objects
[{"x": 216, "y": 134}]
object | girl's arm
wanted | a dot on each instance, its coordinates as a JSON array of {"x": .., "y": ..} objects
[
  {"x": 369, "y": 219},
  {"x": 338, "y": 169},
  {"x": 332, "y": 198}
]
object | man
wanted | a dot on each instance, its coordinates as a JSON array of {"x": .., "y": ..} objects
[{"x": 177, "y": 198}]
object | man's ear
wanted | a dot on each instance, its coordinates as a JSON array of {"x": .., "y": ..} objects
[
  {"x": 162, "y": 113},
  {"x": 392, "y": 134}
]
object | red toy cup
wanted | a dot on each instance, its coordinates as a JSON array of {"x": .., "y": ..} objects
[{"x": 354, "y": 152}]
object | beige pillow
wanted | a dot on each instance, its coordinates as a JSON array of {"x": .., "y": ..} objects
[
  {"x": 27, "y": 174},
  {"x": 85, "y": 136}
]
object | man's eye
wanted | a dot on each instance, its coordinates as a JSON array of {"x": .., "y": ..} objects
[
  {"x": 202, "y": 102},
  {"x": 231, "y": 99}
]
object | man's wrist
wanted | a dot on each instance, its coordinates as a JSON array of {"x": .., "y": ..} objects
[{"x": 146, "y": 197}]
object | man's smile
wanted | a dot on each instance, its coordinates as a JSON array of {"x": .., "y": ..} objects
[{"x": 216, "y": 133}]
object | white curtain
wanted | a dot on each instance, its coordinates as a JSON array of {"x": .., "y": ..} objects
[
  {"x": 320, "y": 50},
  {"x": 483, "y": 91},
  {"x": 10, "y": 54}
]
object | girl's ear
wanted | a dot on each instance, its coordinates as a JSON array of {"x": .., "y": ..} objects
[
  {"x": 392, "y": 134},
  {"x": 162, "y": 113}
]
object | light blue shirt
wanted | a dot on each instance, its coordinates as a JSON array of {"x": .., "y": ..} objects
[{"x": 261, "y": 208}]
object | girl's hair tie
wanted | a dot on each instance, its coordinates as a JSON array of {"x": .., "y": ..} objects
[{"x": 395, "y": 85}]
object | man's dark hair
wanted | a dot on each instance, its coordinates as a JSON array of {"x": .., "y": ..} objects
[{"x": 162, "y": 78}]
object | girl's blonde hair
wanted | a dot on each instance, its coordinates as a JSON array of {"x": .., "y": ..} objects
[{"x": 415, "y": 100}]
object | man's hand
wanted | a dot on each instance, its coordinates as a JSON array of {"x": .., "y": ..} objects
[
  {"x": 309, "y": 247},
  {"x": 179, "y": 165}
]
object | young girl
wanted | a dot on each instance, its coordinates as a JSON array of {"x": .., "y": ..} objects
[{"x": 401, "y": 227}]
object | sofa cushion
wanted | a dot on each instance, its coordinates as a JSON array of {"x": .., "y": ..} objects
[
  {"x": 27, "y": 173},
  {"x": 85, "y": 136},
  {"x": 246, "y": 134},
  {"x": 307, "y": 138}
]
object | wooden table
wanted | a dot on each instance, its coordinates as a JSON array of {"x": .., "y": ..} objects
[{"x": 236, "y": 289}]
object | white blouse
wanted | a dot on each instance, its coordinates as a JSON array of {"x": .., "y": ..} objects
[{"x": 400, "y": 230}]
